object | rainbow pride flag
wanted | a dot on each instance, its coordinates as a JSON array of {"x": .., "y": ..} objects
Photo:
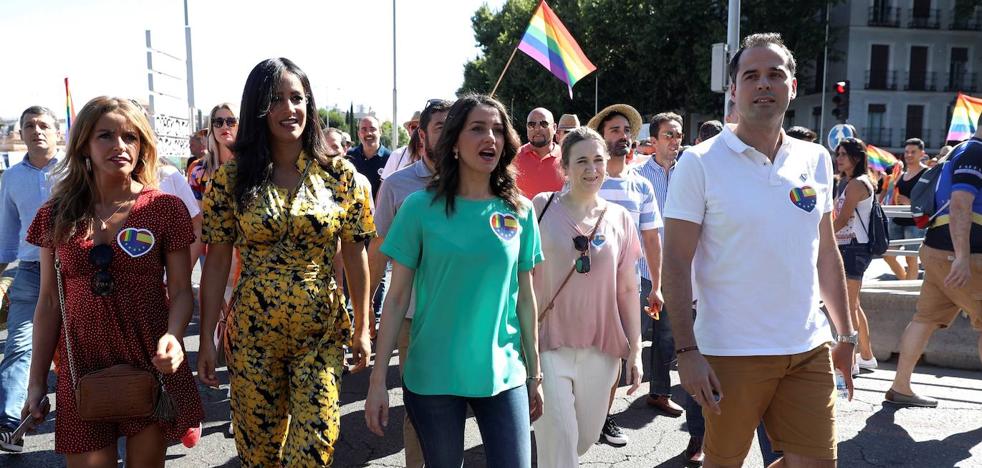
[
  {"x": 548, "y": 42},
  {"x": 879, "y": 160},
  {"x": 964, "y": 117},
  {"x": 69, "y": 109}
]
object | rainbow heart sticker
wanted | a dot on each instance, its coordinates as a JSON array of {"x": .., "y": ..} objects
[
  {"x": 135, "y": 242},
  {"x": 599, "y": 240},
  {"x": 504, "y": 225},
  {"x": 803, "y": 197}
]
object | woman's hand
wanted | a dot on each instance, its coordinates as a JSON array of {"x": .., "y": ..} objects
[
  {"x": 169, "y": 355},
  {"x": 377, "y": 407},
  {"x": 535, "y": 399},
  {"x": 36, "y": 405},
  {"x": 207, "y": 359},
  {"x": 634, "y": 372},
  {"x": 361, "y": 351}
]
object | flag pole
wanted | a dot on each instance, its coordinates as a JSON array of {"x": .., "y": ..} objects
[{"x": 502, "y": 75}]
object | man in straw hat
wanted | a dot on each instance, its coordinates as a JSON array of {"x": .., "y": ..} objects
[
  {"x": 619, "y": 125},
  {"x": 566, "y": 123},
  {"x": 749, "y": 229}
]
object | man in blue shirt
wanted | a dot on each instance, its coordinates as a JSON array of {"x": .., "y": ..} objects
[
  {"x": 23, "y": 189},
  {"x": 952, "y": 259},
  {"x": 370, "y": 156}
]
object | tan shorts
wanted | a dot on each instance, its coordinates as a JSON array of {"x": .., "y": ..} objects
[
  {"x": 940, "y": 305},
  {"x": 794, "y": 395}
]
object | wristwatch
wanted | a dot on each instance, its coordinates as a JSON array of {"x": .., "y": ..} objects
[{"x": 852, "y": 339}]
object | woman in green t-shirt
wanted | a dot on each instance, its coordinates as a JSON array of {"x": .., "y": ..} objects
[{"x": 467, "y": 245}]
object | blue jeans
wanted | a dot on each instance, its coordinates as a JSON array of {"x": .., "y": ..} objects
[
  {"x": 16, "y": 364},
  {"x": 503, "y": 420},
  {"x": 662, "y": 350}
]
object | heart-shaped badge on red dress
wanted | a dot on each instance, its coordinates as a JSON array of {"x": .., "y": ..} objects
[{"x": 135, "y": 242}]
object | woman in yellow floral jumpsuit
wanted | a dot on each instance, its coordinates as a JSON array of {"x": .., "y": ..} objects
[{"x": 287, "y": 329}]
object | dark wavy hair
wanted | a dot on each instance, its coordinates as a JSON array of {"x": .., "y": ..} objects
[
  {"x": 253, "y": 155},
  {"x": 447, "y": 180},
  {"x": 856, "y": 150}
]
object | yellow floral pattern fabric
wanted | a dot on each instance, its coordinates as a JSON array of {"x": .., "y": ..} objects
[{"x": 290, "y": 321}]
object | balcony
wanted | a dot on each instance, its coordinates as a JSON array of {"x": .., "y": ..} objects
[
  {"x": 884, "y": 17},
  {"x": 881, "y": 79},
  {"x": 964, "y": 82},
  {"x": 877, "y": 136},
  {"x": 966, "y": 23},
  {"x": 920, "y": 81},
  {"x": 931, "y": 21},
  {"x": 926, "y": 135}
]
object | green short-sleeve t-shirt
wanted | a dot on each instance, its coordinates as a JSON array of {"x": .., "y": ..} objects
[{"x": 465, "y": 338}]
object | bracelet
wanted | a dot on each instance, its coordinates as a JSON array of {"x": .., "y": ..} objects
[
  {"x": 686, "y": 349},
  {"x": 537, "y": 378}
]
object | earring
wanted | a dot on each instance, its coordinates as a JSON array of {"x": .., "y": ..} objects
[
  {"x": 455, "y": 154},
  {"x": 88, "y": 164}
]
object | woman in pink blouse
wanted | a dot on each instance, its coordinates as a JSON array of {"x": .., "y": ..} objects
[{"x": 587, "y": 291}]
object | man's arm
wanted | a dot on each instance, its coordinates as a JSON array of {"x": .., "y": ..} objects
[
  {"x": 960, "y": 229},
  {"x": 9, "y": 225},
  {"x": 698, "y": 379},
  {"x": 653, "y": 255},
  {"x": 832, "y": 287},
  {"x": 376, "y": 263}
]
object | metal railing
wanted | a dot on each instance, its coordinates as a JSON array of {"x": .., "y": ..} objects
[
  {"x": 966, "y": 82},
  {"x": 920, "y": 81},
  {"x": 884, "y": 17},
  {"x": 877, "y": 136},
  {"x": 895, "y": 248},
  {"x": 931, "y": 21},
  {"x": 881, "y": 79},
  {"x": 966, "y": 23},
  {"x": 925, "y": 134}
]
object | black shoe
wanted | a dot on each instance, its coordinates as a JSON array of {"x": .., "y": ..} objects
[{"x": 613, "y": 434}]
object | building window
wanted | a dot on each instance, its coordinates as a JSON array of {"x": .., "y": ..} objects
[
  {"x": 915, "y": 123},
  {"x": 879, "y": 76},
  {"x": 876, "y": 132}
]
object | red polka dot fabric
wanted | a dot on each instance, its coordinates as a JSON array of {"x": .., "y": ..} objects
[{"x": 122, "y": 328}]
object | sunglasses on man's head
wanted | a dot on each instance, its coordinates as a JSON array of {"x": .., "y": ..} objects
[
  {"x": 435, "y": 102},
  {"x": 100, "y": 257},
  {"x": 219, "y": 122},
  {"x": 582, "y": 244}
]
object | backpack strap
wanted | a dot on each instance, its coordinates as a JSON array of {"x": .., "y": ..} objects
[{"x": 546, "y": 207}]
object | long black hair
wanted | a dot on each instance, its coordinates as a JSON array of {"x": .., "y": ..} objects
[
  {"x": 253, "y": 155},
  {"x": 447, "y": 180},
  {"x": 856, "y": 150}
]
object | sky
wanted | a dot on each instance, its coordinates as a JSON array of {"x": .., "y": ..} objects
[{"x": 345, "y": 47}]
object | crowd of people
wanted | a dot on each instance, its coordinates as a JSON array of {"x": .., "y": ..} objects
[{"x": 515, "y": 281}]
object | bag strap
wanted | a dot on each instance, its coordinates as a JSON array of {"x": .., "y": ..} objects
[
  {"x": 569, "y": 275},
  {"x": 64, "y": 320},
  {"x": 546, "y": 207}
]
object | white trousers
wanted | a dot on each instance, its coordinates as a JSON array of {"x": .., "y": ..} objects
[{"x": 576, "y": 388}]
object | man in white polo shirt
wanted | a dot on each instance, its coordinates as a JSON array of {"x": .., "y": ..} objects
[{"x": 748, "y": 219}]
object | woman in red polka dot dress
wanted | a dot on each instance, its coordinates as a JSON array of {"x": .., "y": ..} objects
[{"x": 115, "y": 236}]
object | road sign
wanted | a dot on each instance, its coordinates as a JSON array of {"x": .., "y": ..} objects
[{"x": 839, "y": 133}]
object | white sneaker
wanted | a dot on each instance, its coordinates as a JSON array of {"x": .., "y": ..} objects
[
  {"x": 855, "y": 369},
  {"x": 866, "y": 364}
]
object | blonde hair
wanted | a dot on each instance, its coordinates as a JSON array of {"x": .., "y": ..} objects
[
  {"x": 575, "y": 136},
  {"x": 211, "y": 158},
  {"x": 74, "y": 196}
]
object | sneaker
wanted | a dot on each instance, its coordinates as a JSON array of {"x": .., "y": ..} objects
[
  {"x": 866, "y": 364},
  {"x": 855, "y": 369},
  {"x": 613, "y": 434},
  {"x": 11, "y": 442}
]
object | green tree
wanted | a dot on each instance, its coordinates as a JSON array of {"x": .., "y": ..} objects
[
  {"x": 652, "y": 54},
  {"x": 332, "y": 118},
  {"x": 386, "y": 138}
]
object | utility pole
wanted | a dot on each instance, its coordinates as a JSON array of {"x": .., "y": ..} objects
[
  {"x": 190, "y": 65},
  {"x": 732, "y": 44},
  {"x": 395, "y": 128}
]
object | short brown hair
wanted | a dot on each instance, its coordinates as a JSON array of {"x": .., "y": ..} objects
[{"x": 761, "y": 40}]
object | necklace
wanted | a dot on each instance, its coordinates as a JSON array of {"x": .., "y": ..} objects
[{"x": 104, "y": 222}]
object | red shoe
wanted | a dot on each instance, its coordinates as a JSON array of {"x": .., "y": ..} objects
[{"x": 192, "y": 436}]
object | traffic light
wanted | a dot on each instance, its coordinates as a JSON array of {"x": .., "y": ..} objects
[{"x": 841, "y": 100}]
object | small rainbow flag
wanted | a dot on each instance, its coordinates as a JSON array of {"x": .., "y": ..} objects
[
  {"x": 548, "y": 42},
  {"x": 964, "y": 117},
  {"x": 879, "y": 160},
  {"x": 69, "y": 109}
]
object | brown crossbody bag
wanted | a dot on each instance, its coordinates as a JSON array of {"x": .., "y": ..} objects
[
  {"x": 116, "y": 393},
  {"x": 593, "y": 233}
]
